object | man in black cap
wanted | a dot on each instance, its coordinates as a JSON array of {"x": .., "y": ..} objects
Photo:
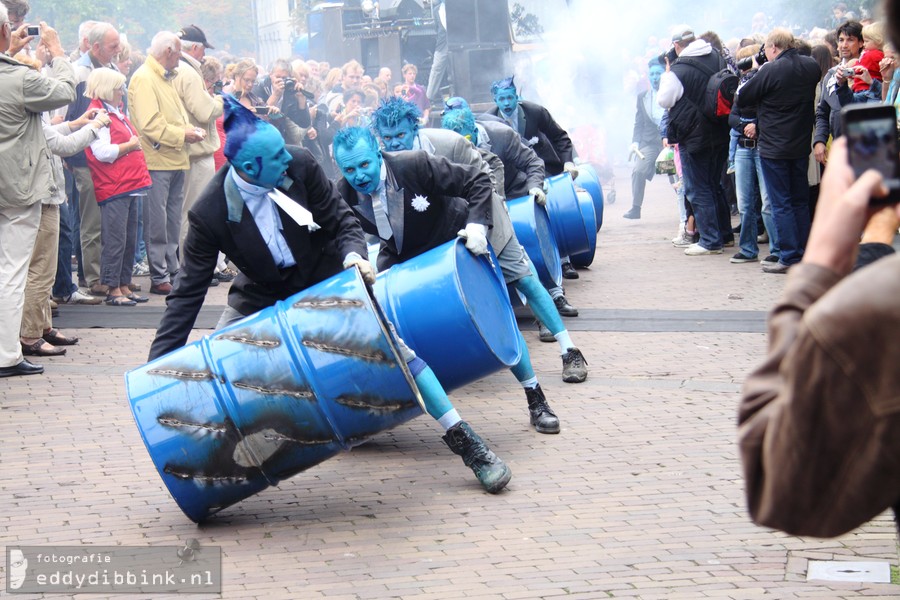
[{"x": 202, "y": 110}]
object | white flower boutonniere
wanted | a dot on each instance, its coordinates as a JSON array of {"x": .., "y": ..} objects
[{"x": 420, "y": 203}]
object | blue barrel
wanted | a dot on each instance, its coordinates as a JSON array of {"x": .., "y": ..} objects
[
  {"x": 452, "y": 309},
  {"x": 532, "y": 226},
  {"x": 566, "y": 222},
  {"x": 271, "y": 395},
  {"x": 589, "y": 180},
  {"x": 586, "y": 204}
]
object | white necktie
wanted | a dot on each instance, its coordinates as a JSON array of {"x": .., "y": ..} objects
[{"x": 381, "y": 218}]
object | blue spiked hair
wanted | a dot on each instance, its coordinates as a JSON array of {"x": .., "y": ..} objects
[
  {"x": 240, "y": 124},
  {"x": 394, "y": 111},
  {"x": 348, "y": 137},
  {"x": 503, "y": 84},
  {"x": 458, "y": 120}
]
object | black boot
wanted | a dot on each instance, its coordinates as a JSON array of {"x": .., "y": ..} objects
[
  {"x": 492, "y": 473},
  {"x": 543, "y": 333},
  {"x": 568, "y": 271},
  {"x": 633, "y": 213},
  {"x": 564, "y": 308},
  {"x": 543, "y": 419},
  {"x": 574, "y": 366}
]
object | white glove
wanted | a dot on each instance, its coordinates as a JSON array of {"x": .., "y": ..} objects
[
  {"x": 571, "y": 169},
  {"x": 539, "y": 196},
  {"x": 633, "y": 148},
  {"x": 475, "y": 235},
  {"x": 364, "y": 266}
]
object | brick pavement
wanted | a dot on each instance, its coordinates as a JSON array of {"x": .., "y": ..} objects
[{"x": 640, "y": 496}]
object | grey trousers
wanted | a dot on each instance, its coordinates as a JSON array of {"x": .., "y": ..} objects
[
  {"x": 89, "y": 214},
  {"x": 162, "y": 224},
  {"x": 119, "y": 221}
]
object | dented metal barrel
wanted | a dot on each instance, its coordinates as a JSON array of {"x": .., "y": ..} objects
[
  {"x": 271, "y": 395},
  {"x": 566, "y": 221},
  {"x": 532, "y": 226},
  {"x": 452, "y": 308},
  {"x": 586, "y": 204},
  {"x": 589, "y": 180}
]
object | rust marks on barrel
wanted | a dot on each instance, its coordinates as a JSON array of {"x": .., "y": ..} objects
[
  {"x": 371, "y": 402},
  {"x": 169, "y": 420},
  {"x": 251, "y": 341},
  {"x": 301, "y": 394},
  {"x": 186, "y": 473},
  {"x": 182, "y": 374},
  {"x": 369, "y": 354},
  {"x": 328, "y": 303}
]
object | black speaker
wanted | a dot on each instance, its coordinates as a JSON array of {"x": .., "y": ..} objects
[
  {"x": 401, "y": 9},
  {"x": 481, "y": 22},
  {"x": 474, "y": 71},
  {"x": 326, "y": 37}
]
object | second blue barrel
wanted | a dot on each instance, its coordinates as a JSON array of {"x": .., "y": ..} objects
[
  {"x": 532, "y": 226},
  {"x": 566, "y": 221},
  {"x": 452, "y": 309}
]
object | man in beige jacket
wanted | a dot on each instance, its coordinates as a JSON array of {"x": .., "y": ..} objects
[
  {"x": 25, "y": 177},
  {"x": 165, "y": 132},
  {"x": 202, "y": 110}
]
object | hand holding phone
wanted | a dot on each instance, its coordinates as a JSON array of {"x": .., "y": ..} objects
[{"x": 871, "y": 132}]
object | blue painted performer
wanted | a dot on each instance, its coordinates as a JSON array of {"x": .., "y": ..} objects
[
  {"x": 414, "y": 201},
  {"x": 237, "y": 214},
  {"x": 538, "y": 129},
  {"x": 523, "y": 175}
]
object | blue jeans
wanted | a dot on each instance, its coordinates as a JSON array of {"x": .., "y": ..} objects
[
  {"x": 68, "y": 240},
  {"x": 702, "y": 173},
  {"x": 749, "y": 186},
  {"x": 140, "y": 251},
  {"x": 788, "y": 188}
]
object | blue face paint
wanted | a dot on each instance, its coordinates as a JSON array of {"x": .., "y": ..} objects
[
  {"x": 399, "y": 137},
  {"x": 263, "y": 157},
  {"x": 360, "y": 166},
  {"x": 507, "y": 100},
  {"x": 655, "y": 75}
]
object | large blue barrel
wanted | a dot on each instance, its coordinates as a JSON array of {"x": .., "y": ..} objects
[
  {"x": 586, "y": 204},
  {"x": 590, "y": 181},
  {"x": 271, "y": 395},
  {"x": 452, "y": 309},
  {"x": 532, "y": 226},
  {"x": 566, "y": 222}
]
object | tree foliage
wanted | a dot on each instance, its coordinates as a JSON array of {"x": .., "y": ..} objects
[{"x": 228, "y": 24}]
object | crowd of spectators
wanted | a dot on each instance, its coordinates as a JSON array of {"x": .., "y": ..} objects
[
  {"x": 765, "y": 164},
  {"x": 127, "y": 140}
]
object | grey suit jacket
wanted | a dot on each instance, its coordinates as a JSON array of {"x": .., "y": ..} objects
[{"x": 458, "y": 149}]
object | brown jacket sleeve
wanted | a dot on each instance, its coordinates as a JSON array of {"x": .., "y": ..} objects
[{"x": 819, "y": 420}]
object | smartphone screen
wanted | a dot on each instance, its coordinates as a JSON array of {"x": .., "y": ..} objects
[{"x": 872, "y": 143}]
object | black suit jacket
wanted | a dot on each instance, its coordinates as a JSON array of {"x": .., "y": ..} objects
[
  {"x": 549, "y": 141},
  {"x": 221, "y": 222},
  {"x": 522, "y": 168},
  {"x": 429, "y": 199}
]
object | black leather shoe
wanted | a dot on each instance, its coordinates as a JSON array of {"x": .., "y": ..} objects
[
  {"x": 564, "y": 308},
  {"x": 23, "y": 368},
  {"x": 568, "y": 271},
  {"x": 633, "y": 213},
  {"x": 542, "y": 417}
]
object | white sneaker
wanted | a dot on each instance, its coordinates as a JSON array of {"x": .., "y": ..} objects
[
  {"x": 698, "y": 250},
  {"x": 141, "y": 269},
  {"x": 680, "y": 235},
  {"x": 78, "y": 297}
]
